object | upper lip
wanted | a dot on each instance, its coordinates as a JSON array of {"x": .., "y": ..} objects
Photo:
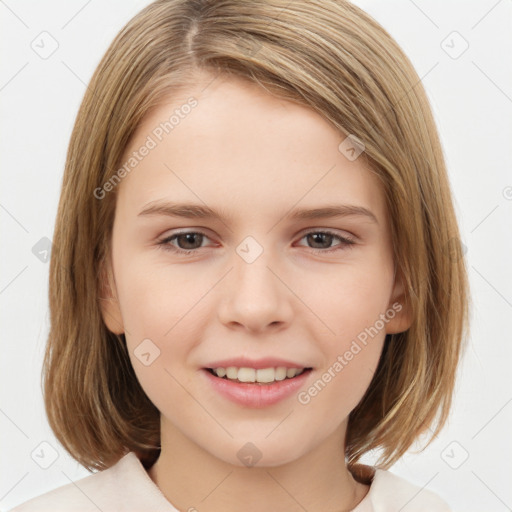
[{"x": 244, "y": 362}]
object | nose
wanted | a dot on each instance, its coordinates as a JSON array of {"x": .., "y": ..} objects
[{"x": 255, "y": 297}]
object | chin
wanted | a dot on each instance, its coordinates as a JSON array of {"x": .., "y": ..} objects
[{"x": 260, "y": 454}]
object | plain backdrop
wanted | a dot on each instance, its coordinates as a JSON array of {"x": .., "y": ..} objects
[{"x": 460, "y": 49}]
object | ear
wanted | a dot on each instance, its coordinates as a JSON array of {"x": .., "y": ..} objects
[
  {"x": 400, "y": 304},
  {"x": 109, "y": 305}
]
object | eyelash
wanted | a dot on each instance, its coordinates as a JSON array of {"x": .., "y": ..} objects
[{"x": 346, "y": 242}]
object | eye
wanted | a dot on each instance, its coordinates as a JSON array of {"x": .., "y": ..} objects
[
  {"x": 191, "y": 241},
  {"x": 325, "y": 238},
  {"x": 186, "y": 238}
]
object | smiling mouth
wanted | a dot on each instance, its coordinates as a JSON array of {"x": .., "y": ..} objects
[{"x": 262, "y": 376}]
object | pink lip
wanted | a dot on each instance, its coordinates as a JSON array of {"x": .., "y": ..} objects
[
  {"x": 253, "y": 394},
  {"x": 267, "y": 362}
]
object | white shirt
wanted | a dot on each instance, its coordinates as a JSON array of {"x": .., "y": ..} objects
[{"x": 126, "y": 486}]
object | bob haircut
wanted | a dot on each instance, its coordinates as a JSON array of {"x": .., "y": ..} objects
[{"x": 332, "y": 57}]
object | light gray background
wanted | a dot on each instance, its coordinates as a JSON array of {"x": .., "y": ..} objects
[{"x": 471, "y": 96}]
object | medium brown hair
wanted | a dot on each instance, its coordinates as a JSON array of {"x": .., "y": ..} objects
[{"x": 325, "y": 54}]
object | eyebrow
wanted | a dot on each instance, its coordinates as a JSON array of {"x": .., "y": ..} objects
[{"x": 196, "y": 211}]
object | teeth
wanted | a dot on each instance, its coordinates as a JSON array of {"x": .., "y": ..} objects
[
  {"x": 221, "y": 372},
  {"x": 291, "y": 372},
  {"x": 280, "y": 373},
  {"x": 261, "y": 375},
  {"x": 265, "y": 375},
  {"x": 246, "y": 374},
  {"x": 231, "y": 372}
]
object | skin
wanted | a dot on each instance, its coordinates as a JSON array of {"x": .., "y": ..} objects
[{"x": 254, "y": 157}]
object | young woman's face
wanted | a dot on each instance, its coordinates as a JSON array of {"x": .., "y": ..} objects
[{"x": 263, "y": 286}]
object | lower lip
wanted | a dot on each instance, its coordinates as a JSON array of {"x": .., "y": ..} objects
[{"x": 255, "y": 395}]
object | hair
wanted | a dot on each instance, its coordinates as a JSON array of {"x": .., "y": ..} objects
[{"x": 328, "y": 55}]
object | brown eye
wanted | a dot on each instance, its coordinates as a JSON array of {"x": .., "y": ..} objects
[
  {"x": 321, "y": 241},
  {"x": 186, "y": 243}
]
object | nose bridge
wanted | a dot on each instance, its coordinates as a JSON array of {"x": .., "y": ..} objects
[
  {"x": 253, "y": 258},
  {"x": 255, "y": 297}
]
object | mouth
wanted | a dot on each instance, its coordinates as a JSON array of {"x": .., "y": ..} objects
[{"x": 261, "y": 376}]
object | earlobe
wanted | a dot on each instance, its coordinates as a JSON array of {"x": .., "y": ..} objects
[
  {"x": 399, "y": 309},
  {"x": 109, "y": 304}
]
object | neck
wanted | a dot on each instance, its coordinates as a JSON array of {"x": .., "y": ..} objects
[{"x": 191, "y": 478}]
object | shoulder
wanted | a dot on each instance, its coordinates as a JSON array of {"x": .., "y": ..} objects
[
  {"x": 390, "y": 493},
  {"x": 79, "y": 496},
  {"x": 126, "y": 484}
]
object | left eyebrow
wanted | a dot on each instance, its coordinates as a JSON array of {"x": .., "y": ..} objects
[
  {"x": 197, "y": 211},
  {"x": 326, "y": 212}
]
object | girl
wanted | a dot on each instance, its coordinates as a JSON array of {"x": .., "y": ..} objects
[{"x": 256, "y": 276}]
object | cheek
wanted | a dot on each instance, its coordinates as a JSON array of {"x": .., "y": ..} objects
[
  {"x": 155, "y": 298},
  {"x": 353, "y": 306},
  {"x": 161, "y": 309},
  {"x": 350, "y": 299}
]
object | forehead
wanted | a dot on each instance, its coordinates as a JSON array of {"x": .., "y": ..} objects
[{"x": 244, "y": 148}]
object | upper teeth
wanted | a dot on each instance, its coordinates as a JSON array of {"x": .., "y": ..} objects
[{"x": 257, "y": 375}]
